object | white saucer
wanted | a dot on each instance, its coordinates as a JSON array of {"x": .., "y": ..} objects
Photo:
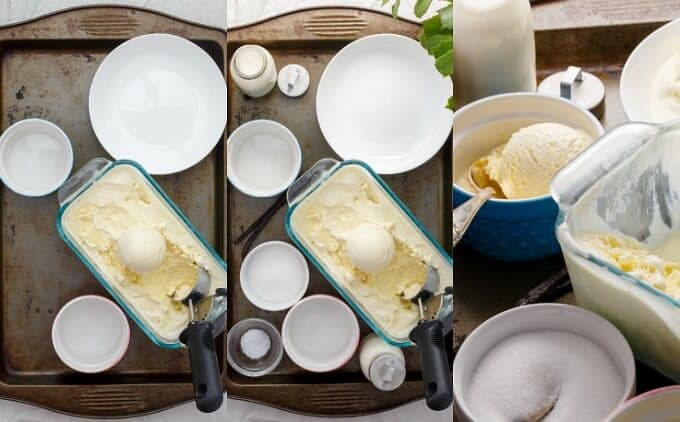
[
  {"x": 36, "y": 157},
  {"x": 160, "y": 100},
  {"x": 381, "y": 100}
]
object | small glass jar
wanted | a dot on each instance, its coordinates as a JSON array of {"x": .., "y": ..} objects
[
  {"x": 253, "y": 70},
  {"x": 383, "y": 364}
]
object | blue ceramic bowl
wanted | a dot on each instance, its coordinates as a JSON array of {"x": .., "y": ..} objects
[{"x": 520, "y": 229}]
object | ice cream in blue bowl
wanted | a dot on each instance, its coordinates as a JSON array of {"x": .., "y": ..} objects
[{"x": 515, "y": 143}]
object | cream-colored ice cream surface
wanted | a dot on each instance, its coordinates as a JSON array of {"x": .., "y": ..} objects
[
  {"x": 346, "y": 201},
  {"x": 142, "y": 249},
  {"x": 665, "y": 101},
  {"x": 637, "y": 259},
  {"x": 120, "y": 201},
  {"x": 532, "y": 156}
]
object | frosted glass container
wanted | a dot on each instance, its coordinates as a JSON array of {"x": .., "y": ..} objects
[{"x": 628, "y": 182}]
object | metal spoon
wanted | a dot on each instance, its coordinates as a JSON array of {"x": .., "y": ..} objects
[{"x": 463, "y": 215}]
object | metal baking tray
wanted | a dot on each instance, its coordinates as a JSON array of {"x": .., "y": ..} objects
[
  {"x": 599, "y": 50},
  {"x": 46, "y": 67},
  {"x": 311, "y": 38}
]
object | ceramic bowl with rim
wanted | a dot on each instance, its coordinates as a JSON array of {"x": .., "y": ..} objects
[
  {"x": 36, "y": 157},
  {"x": 553, "y": 317},
  {"x": 274, "y": 276},
  {"x": 381, "y": 100},
  {"x": 511, "y": 229},
  {"x": 639, "y": 78},
  {"x": 320, "y": 333},
  {"x": 662, "y": 404},
  {"x": 263, "y": 158},
  {"x": 160, "y": 100},
  {"x": 90, "y": 334}
]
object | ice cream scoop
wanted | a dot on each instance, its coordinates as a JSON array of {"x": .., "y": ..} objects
[
  {"x": 141, "y": 249},
  {"x": 524, "y": 167},
  {"x": 370, "y": 248}
]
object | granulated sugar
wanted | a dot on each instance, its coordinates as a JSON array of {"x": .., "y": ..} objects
[
  {"x": 255, "y": 343},
  {"x": 526, "y": 372}
]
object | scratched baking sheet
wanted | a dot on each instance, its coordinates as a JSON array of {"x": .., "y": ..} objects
[
  {"x": 311, "y": 39},
  {"x": 45, "y": 71}
]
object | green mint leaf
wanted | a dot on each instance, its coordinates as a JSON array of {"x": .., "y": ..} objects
[
  {"x": 450, "y": 103},
  {"x": 395, "y": 8},
  {"x": 444, "y": 63},
  {"x": 446, "y": 17},
  {"x": 421, "y": 7},
  {"x": 432, "y": 26}
]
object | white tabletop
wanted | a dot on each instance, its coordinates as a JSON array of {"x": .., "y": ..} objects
[{"x": 220, "y": 14}]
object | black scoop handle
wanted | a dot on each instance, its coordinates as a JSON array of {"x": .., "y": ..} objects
[
  {"x": 428, "y": 335},
  {"x": 205, "y": 371}
]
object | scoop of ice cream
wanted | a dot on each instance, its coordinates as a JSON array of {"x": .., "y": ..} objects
[
  {"x": 141, "y": 249},
  {"x": 532, "y": 156},
  {"x": 370, "y": 248}
]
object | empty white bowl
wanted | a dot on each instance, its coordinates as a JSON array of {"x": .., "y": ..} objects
[
  {"x": 90, "y": 334},
  {"x": 274, "y": 276},
  {"x": 553, "y": 317},
  {"x": 662, "y": 404},
  {"x": 320, "y": 333},
  {"x": 36, "y": 157},
  {"x": 263, "y": 158}
]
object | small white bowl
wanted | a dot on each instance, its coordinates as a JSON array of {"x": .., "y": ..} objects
[
  {"x": 320, "y": 333},
  {"x": 523, "y": 319},
  {"x": 274, "y": 276},
  {"x": 90, "y": 334},
  {"x": 662, "y": 404},
  {"x": 263, "y": 158},
  {"x": 36, "y": 157}
]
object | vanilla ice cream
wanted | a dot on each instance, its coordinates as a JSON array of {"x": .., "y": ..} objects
[
  {"x": 635, "y": 258},
  {"x": 370, "y": 248},
  {"x": 140, "y": 247},
  {"x": 524, "y": 167},
  {"x": 348, "y": 223},
  {"x": 665, "y": 101}
]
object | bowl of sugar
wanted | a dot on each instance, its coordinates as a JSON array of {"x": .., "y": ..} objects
[{"x": 551, "y": 361}]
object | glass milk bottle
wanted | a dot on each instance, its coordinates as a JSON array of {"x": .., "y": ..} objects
[{"x": 495, "y": 50}]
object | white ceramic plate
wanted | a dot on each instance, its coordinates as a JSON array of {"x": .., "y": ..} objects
[
  {"x": 638, "y": 86},
  {"x": 160, "y": 100},
  {"x": 381, "y": 100}
]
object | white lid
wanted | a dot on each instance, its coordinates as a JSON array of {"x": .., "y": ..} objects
[
  {"x": 293, "y": 80},
  {"x": 250, "y": 61},
  {"x": 387, "y": 372},
  {"x": 274, "y": 276},
  {"x": 90, "y": 334},
  {"x": 578, "y": 86},
  {"x": 36, "y": 157}
]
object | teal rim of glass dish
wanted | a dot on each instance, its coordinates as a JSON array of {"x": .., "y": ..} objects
[
  {"x": 100, "y": 278},
  {"x": 341, "y": 290},
  {"x": 561, "y": 219}
]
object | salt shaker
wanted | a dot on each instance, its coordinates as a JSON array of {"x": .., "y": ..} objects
[
  {"x": 253, "y": 70},
  {"x": 384, "y": 365},
  {"x": 495, "y": 49}
]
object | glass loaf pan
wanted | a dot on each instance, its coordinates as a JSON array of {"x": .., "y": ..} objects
[
  {"x": 83, "y": 180},
  {"x": 314, "y": 178}
]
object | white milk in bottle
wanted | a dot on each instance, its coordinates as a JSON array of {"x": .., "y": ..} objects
[{"x": 494, "y": 48}]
